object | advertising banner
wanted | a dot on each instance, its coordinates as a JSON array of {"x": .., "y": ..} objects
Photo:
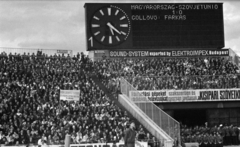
[
  {"x": 137, "y": 144},
  {"x": 172, "y": 53},
  {"x": 192, "y": 144},
  {"x": 186, "y": 95},
  {"x": 69, "y": 95}
]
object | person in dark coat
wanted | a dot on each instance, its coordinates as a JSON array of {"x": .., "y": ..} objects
[
  {"x": 205, "y": 140},
  {"x": 200, "y": 140},
  {"x": 210, "y": 140},
  {"x": 228, "y": 136},
  {"x": 130, "y": 135},
  {"x": 234, "y": 137},
  {"x": 219, "y": 140}
]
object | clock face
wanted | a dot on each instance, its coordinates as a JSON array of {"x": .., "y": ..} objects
[{"x": 110, "y": 26}]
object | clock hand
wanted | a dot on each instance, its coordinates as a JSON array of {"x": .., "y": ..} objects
[
  {"x": 111, "y": 31},
  {"x": 109, "y": 24}
]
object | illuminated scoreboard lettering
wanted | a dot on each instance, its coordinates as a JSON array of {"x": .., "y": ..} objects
[
  {"x": 154, "y": 26},
  {"x": 177, "y": 11}
]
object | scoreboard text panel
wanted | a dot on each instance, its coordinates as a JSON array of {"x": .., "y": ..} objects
[{"x": 154, "y": 26}]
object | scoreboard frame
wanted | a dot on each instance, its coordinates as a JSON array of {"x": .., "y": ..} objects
[{"x": 133, "y": 34}]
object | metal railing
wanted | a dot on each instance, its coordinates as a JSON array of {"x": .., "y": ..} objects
[{"x": 158, "y": 116}]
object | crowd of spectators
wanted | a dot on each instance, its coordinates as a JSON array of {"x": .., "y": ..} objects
[
  {"x": 216, "y": 136},
  {"x": 31, "y": 112},
  {"x": 30, "y": 109},
  {"x": 171, "y": 73}
]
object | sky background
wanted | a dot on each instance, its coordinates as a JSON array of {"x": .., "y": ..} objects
[{"x": 61, "y": 24}]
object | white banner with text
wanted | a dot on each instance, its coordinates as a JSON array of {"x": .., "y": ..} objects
[
  {"x": 69, "y": 95},
  {"x": 185, "y": 95},
  {"x": 137, "y": 144}
]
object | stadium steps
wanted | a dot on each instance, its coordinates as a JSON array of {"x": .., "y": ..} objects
[{"x": 113, "y": 98}]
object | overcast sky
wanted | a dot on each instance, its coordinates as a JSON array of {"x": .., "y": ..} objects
[{"x": 61, "y": 24}]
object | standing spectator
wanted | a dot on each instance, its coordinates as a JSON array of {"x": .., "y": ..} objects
[
  {"x": 238, "y": 135},
  {"x": 219, "y": 140},
  {"x": 130, "y": 135},
  {"x": 199, "y": 140},
  {"x": 211, "y": 140},
  {"x": 214, "y": 144},
  {"x": 205, "y": 140},
  {"x": 228, "y": 136},
  {"x": 234, "y": 138}
]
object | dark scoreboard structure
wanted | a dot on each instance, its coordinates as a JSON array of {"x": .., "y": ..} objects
[{"x": 138, "y": 26}]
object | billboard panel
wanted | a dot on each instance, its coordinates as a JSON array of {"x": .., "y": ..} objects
[
  {"x": 169, "y": 53},
  {"x": 198, "y": 95}
]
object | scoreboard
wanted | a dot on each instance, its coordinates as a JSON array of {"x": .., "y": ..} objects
[{"x": 166, "y": 26}]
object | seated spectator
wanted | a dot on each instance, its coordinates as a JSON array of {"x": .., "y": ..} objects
[
  {"x": 42, "y": 141},
  {"x": 1, "y": 137},
  {"x": 50, "y": 140},
  {"x": 85, "y": 138}
]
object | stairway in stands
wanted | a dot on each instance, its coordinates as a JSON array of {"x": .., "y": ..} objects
[
  {"x": 163, "y": 138},
  {"x": 111, "y": 96}
]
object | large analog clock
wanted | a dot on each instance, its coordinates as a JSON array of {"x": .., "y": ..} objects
[{"x": 110, "y": 26}]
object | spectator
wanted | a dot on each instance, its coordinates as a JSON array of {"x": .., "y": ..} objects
[
  {"x": 79, "y": 137},
  {"x": 130, "y": 135},
  {"x": 206, "y": 137},
  {"x": 2, "y": 137},
  {"x": 50, "y": 140},
  {"x": 141, "y": 135},
  {"x": 42, "y": 141}
]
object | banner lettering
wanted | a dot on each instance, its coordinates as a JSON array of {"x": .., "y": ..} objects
[
  {"x": 173, "y": 53},
  {"x": 69, "y": 95},
  {"x": 137, "y": 144},
  {"x": 185, "y": 95},
  {"x": 62, "y": 51}
]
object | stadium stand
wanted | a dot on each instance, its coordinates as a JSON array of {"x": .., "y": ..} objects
[{"x": 31, "y": 112}]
